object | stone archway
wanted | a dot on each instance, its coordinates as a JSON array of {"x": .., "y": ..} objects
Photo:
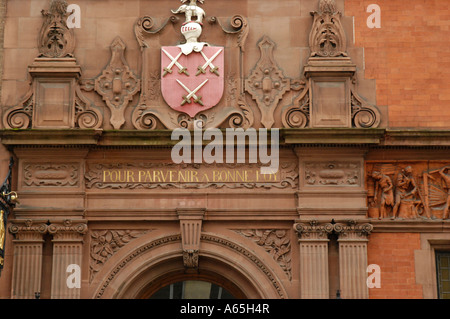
[{"x": 154, "y": 262}]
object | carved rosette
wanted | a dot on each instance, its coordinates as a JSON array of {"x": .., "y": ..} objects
[
  {"x": 117, "y": 84},
  {"x": 314, "y": 230},
  {"x": 276, "y": 242},
  {"x": 56, "y": 39},
  {"x": 327, "y": 37}
]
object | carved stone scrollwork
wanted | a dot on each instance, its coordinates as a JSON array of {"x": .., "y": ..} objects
[
  {"x": 117, "y": 84},
  {"x": 239, "y": 26},
  {"x": 267, "y": 83},
  {"x": 86, "y": 114},
  {"x": 298, "y": 114},
  {"x": 327, "y": 37},
  {"x": 20, "y": 117},
  {"x": 364, "y": 115}
]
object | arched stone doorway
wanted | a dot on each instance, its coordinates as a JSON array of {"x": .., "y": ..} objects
[{"x": 157, "y": 262}]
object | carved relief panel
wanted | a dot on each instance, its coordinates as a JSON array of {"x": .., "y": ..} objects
[{"x": 408, "y": 190}]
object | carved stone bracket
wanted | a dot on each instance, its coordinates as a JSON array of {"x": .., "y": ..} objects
[
  {"x": 190, "y": 227},
  {"x": 117, "y": 84}
]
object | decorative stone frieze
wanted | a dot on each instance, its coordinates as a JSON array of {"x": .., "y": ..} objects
[{"x": 410, "y": 190}]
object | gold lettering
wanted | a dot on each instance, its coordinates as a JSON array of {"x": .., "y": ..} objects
[
  {"x": 106, "y": 173},
  {"x": 231, "y": 176},
  {"x": 141, "y": 174},
  {"x": 181, "y": 176},
  {"x": 205, "y": 175},
  {"x": 130, "y": 175},
  {"x": 194, "y": 176},
  {"x": 156, "y": 175}
]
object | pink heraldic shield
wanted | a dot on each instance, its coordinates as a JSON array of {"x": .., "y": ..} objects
[{"x": 192, "y": 83}]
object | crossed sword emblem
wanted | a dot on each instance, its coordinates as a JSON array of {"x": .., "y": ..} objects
[
  {"x": 200, "y": 68},
  {"x": 168, "y": 69},
  {"x": 212, "y": 68},
  {"x": 192, "y": 94}
]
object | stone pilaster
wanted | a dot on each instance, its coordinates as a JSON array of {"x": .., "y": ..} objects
[
  {"x": 313, "y": 241},
  {"x": 353, "y": 259},
  {"x": 67, "y": 251},
  {"x": 27, "y": 262}
]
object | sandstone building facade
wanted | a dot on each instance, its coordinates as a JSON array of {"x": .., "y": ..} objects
[{"x": 94, "y": 205}]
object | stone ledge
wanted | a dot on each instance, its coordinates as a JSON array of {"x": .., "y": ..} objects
[{"x": 309, "y": 137}]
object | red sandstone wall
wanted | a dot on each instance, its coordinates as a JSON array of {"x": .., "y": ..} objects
[
  {"x": 394, "y": 253},
  {"x": 409, "y": 57}
]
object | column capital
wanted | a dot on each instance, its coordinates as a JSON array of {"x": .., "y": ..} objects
[
  {"x": 68, "y": 230},
  {"x": 353, "y": 231},
  {"x": 313, "y": 230},
  {"x": 28, "y": 230}
]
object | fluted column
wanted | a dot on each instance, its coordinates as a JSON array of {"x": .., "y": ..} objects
[
  {"x": 67, "y": 251},
  {"x": 353, "y": 259},
  {"x": 313, "y": 241},
  {"x": 27, "y": 262}
]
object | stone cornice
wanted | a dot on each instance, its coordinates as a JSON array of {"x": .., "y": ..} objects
[{"x": 153, "y": 138}]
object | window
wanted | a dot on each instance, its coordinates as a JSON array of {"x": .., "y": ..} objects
[
  {"x": 443, "y": 274},
  {"x": 192, "y": 289}
]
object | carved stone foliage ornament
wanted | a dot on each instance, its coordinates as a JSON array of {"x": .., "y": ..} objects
[
  {"x": 56, "y": 40},
  {"x": 327, "y": 37},
  {"x": 409, "y": 191},
  {"x": 117, "y": 84},
  {"x": 105, "y": 243},
  {"x": 313, "y": 230},
  {"x": 276, "y": 242}
]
